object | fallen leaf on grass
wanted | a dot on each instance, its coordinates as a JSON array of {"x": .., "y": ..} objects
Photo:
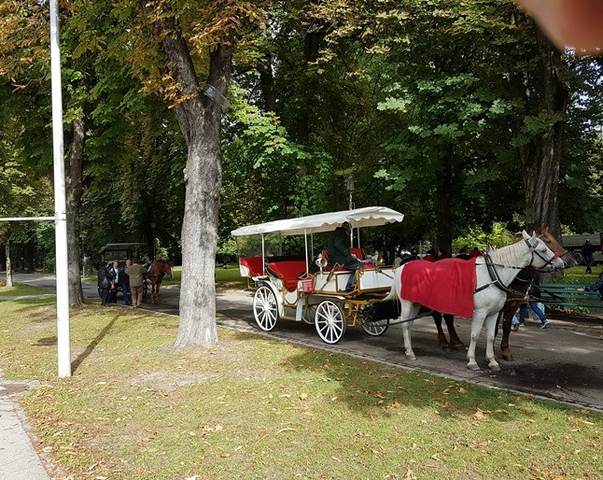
[
  {"x": 288, "y": 429},
  {"x": 479, "y": 414},
  {"x": 580, "y": 420},
  {"x": 410, "y": 475}
]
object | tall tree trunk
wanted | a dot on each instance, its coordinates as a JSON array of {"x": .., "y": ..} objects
[
  {"x": 542, "y": 156},
  {"x": 199, "y": 116},
  {"x": 74, "y": 196},
  {"x": 267, "y": 84},
  {"x": 305, "y": 116},
  {"x": 9, "y": 267},
  {"x": 444, "y": 200}
]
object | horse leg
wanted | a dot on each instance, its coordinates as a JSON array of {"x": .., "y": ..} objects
[
  {"x": 490, "y": 335},
  {"x": 476, "y": 328},
  {"x": 408, "y": 310},
  {"x": 157, "y": 291},
  {"x": 455, "y": 341},
  {"x": 437, "y": 319},
  {"x": 507, "y": 318}
]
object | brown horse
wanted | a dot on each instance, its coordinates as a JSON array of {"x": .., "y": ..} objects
[{"x": 157, "y": 270}]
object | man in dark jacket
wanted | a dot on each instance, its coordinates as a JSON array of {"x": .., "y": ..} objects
[
  {"x": 103, "y": 281},
  {"x": 339, "y": 252},
  {"x": 587, "y": 253}
]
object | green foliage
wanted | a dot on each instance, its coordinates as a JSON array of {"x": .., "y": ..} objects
[{"x": 498, "y": 236}]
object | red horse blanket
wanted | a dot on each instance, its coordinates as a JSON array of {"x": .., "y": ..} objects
[{"x": 444, "y": 286}]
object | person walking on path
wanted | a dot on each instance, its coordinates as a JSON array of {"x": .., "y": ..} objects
[
  {"x": 534, "y": 305},
  {"x": 587, "y": 253},
  {"x": 136, "y": 273}
]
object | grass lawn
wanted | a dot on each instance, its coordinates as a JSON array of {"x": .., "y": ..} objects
[
  {"x": 18, "y": 290},
  {"x": 226, "y": 277},
  {"x": 579, "y": 276},
  {"x": 253, "y": 407}
]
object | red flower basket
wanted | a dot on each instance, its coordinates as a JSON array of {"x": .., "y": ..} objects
[{"x": 306, "y": 285}]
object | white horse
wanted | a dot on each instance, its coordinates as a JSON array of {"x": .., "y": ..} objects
[{"x": 490, "y": 294}]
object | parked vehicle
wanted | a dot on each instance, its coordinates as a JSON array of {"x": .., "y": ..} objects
[{"x": 574, "y": 244}]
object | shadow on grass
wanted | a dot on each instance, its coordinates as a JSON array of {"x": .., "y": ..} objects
[
  {"x": 93, "y": 344},
  {"x": 373, "y": 389}
]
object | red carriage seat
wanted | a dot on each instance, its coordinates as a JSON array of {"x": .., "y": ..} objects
[
  {"x": 288, "y": 271},
  {"x": 358, "y": 252},
  {"x": 252, "y": 266}
]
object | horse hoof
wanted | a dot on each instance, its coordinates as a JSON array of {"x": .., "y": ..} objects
[
  {"x": 473, "y": 366},
  {"x": 411, "y": 357},
  {"x": 494, "y": 367},
  {"x": 506, "y": 356}
]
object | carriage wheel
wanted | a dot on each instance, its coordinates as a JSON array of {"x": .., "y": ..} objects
[
  {"x": 376, "y": 328},
  {"x": 329, "y": 321},
  {"x": 265, "y": 308}
]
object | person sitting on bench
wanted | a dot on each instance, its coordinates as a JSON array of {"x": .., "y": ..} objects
[
  {"x": 596, "y": 287},
  {"x": 339, "y": 252}
]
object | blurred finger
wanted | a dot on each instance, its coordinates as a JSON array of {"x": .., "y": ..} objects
[{"x": 570, "y": 23}]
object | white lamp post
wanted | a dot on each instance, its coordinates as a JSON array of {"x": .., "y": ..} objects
[{"x": 60, "y": 209}]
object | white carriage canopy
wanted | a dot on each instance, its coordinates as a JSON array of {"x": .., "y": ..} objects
[{"x": 324, "y": 222}]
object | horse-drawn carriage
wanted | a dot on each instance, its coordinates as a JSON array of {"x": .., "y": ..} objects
[{"x": 296, "y": 290}]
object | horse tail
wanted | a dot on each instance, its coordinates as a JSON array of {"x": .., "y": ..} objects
[{"x": 394, "y": 293}]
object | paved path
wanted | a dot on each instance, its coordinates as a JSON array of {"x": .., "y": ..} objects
[
  {"x": 18, "y": 459},
  {"x": 564, "y": 362}
]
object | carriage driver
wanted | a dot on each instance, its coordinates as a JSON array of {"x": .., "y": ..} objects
[{"x": 339, "y": 252}]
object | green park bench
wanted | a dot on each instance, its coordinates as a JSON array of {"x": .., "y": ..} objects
[{"x": 568, "y": 296}]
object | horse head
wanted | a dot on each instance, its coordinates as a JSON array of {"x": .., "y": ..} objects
[
  {"x": 542, "y": 255},
  {"x": 548, "y": 238},
  {"x": 164, "y": 267}
]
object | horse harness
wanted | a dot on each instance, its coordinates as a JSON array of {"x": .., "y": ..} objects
[{"x": 497, "y": 281}]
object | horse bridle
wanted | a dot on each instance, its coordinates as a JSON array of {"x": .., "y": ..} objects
[{"x": 537, "y": 254}]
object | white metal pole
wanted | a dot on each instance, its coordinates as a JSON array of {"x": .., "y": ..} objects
[
  {"x": 306, "y": 245},
  {"x": 63, "y": 341},
  {"x": 26, "y": 219},
  {"x": 263, "y": 255}
]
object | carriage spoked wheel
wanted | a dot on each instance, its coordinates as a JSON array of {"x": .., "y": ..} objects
[
  {"x": 375, "y": 328},
  {"x": 329, "y": 321},
  {"x": 265, "y": 308}
]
